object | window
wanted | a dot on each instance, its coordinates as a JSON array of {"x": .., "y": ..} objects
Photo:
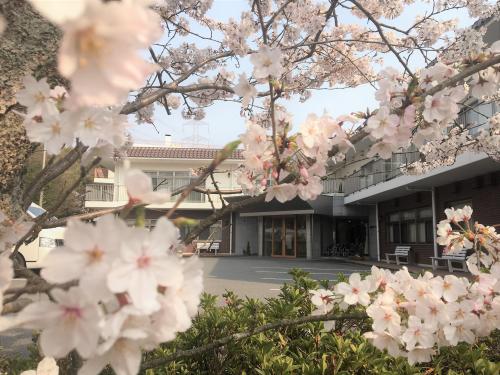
[
  {"x": 410, "y": 226},
  {"x": 212, "y": 233},
  {"x": 394, "y": 228},
  {"x": 174, "y": 180}
]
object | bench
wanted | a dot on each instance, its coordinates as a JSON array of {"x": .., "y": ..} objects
[
  {"x": 400, "y": 252},
  {"x": 450, "y": 259},
  {"x": 207, "y": 246}
]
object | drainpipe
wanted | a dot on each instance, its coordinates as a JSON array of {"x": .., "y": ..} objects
[
  {"x": 377, "y": 231},
  {"x": 434, "y": 221},
  {"x": 231, "y": 233}
]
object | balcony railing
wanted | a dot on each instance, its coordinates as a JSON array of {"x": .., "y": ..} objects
[
  {"x": 99, "y": 192},
  {"x": 378, "y": 171},
  {"x": 118, "y": 193},
  {"x": 333, "y": 185}
]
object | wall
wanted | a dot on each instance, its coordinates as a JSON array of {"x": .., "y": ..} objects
[
  {"x": 224, "y": 177},
  {"x": 245, "y": 229},
  {"x": 483, "y": 191},
  {"x": 422, "y": 252},
  {"x": 372, "y": 233}
]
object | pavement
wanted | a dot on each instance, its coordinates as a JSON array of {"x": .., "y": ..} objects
[
  {"x": 254, "y": 277},
  {"x": 262, "y": 277}
]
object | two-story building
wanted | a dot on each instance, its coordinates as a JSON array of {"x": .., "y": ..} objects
[{"x": 171, "y": 168}]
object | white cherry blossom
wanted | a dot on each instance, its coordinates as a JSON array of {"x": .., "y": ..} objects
[
  {"x": 60, "y": 11},
  {"x": 323, "y": 299},
  {"x": 99, "y": 51},
  {"x": 46, "y": 366},
  {"x": 267, "y": 63},
  {"x": 140, "y": 188},
  {"x": 281, "y": 192},
  {"x": 71, "y": 322},
  {"x": 417, "y": 333},
  {"x": 145, "y": 263},
  {"x": 356, "y": 291},
  {"x": 54, "y": 131},
  {"x": 87, "y": 255},
  {"x": 244, "y": 89},
  {"x": 35, "y": 96}
]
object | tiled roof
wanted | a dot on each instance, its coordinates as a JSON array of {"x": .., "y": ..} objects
[{"x": 177, "y": 153}]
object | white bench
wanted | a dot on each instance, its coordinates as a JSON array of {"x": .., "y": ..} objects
[
  {"x": 400, "y": 252},
  {"x": 207, "y": 246},
  {"x": 450, "y": 260}
]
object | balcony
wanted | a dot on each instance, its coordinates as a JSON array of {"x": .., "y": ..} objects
[
  {"x": 331, "y": 186},
  {"x": 118, "y": 193},
  {"x": 379, "y": 170}
]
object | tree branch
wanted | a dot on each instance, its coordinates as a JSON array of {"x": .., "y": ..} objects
[{"x": 243, "y": 335}]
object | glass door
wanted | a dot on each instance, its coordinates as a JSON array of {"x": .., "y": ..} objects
[
  {"x": 284, "y": 243},
  {"x": 289, "y": 238}
]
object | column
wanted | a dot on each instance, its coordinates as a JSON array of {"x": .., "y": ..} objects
[{"x": 309, "y": 237}]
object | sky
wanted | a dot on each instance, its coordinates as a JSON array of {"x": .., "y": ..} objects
[{"x": 223, "y": 122}]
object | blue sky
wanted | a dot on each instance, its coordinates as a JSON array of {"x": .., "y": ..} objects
[{"x": 223, "y": 122}]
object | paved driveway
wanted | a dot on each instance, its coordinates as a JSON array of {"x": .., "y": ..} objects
[
  {"x": 262, "y": 277},
  {"x": 246, "y": 276}
]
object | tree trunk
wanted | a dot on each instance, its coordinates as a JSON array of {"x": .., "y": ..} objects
[{"x": 28, "y": 46}]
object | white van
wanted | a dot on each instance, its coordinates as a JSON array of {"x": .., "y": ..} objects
[{"x": 32, "y": 254}]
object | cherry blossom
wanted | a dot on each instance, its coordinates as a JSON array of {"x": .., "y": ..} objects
[
  {"x": 140, "y": 188},
  {"x": 282, "y": 192},
  {"x": 58, "y": 11},
  {"x": 12, "y": 231},
  {"x": 6, "y": 274},
  {"x": 356, "y": 291},
  {"x": 323, "y": 299},
  {"x": 99, "y": 51},
  {"x": 46, "y": 366},
  {"x": 144, "y": 264},
  {"x": 70, "y": 322},
  {"x": 54, "y": 131},
  {"x": 267, "y": 63},
  {"x": 35, "y": 96},
  {"x": 87, "y": 255},
  {"x": 244, "y": 89}
]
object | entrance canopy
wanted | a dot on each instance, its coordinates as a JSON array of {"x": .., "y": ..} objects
[{"x": 323, "y": 205}]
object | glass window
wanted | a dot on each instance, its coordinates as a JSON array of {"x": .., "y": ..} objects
[{"x": 171, "y": 181}]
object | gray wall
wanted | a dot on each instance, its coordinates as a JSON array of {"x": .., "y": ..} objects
[
  {"x": 316, "y": 236},
  {"x": 372, "y": 233},
  {"x": 245, "y": 230}
]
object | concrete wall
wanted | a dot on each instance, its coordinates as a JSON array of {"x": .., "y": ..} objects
[
  {"x": 372, "y": 233},
  {"x": 224, "y": 177},
  {"x": 245, "y": 229},
  {"x": 316, "y": 236}
]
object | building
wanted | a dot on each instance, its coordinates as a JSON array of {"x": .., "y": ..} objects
[{"x": 171, "y": 168}]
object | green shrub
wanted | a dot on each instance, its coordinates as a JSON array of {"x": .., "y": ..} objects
[{"x": 300, "y": 349}]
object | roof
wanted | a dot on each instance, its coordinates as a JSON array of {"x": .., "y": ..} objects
[{"x": 178, "y": 153}]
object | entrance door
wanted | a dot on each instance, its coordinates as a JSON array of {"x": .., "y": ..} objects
[{"x": 284, "y": 237}]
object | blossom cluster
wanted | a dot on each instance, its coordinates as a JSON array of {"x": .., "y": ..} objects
[
  {"x": 126, "y": 290},
  {"x": 415, "y": 316},
  {"x": 407, "y": 113},
  {"x": 50, "y": 120},
  {"x": 302, "y": 157}
]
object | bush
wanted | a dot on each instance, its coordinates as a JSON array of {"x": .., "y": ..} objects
[
  {"x": 308, "y": 348},
  {"x": 302, "y": 349}
]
